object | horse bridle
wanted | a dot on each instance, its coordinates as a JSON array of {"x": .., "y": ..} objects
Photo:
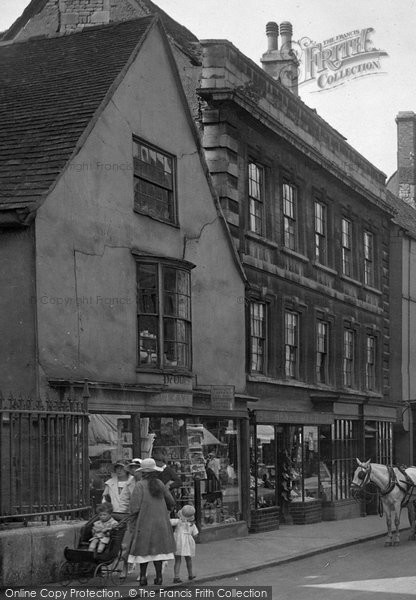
[{"x": 364, "y": 475}]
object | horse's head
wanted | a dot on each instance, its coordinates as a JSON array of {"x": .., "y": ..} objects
[{"x": 361, "y": 475}]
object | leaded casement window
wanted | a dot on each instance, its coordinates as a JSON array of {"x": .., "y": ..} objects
[
  {"x": 291, "y": 344},
  {"x": 346, "y": 247},
  {"x": 154, "y": 182},
  {"x": 368, "y": 258},
  {"x": 321, "y": 242},
  {"x": 256, "y": 198},
  {"x": 348, "y": 364},
  {"x": 370, "y": 362},
  {"x": 163, "y": 316},
  {"x": 322, "y": 355},
  {"x": 258, "y": 337},
  {"x": 290, "y": 225}
]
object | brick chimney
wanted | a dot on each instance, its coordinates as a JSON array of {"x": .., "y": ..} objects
[
  {"x": 75, "y": 15},
  {"x": 281, "y": 64},
  {"x": 406, "y": 156}
]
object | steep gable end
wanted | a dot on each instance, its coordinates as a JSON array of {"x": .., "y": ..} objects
[{"x": 50, "y": 90}]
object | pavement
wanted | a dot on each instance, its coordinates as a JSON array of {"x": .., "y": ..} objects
[{"x": 234, "y": 556}]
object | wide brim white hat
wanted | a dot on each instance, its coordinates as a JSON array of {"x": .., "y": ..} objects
[{"x": 148, "y": 465}]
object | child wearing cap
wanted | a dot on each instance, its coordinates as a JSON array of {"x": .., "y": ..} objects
[{"x": 185, "y": 532}]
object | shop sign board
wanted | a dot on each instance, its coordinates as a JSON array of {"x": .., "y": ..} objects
[{"x": 222, "y": 397}]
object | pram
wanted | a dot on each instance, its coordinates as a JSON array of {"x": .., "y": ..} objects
[{"x": 84, "y": 565}]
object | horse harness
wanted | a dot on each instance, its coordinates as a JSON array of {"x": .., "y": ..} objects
[{"x": 393, "y": 482}]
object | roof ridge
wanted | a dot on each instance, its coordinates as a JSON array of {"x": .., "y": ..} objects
[{"x": 86, "y": 29}]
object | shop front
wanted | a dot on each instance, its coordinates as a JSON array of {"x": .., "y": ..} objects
[
  {"x": 207, "y": 452},
  {"x": 301, "y": 473}
]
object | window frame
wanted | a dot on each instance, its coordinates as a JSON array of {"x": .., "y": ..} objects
[
  {"x": 162, "y": 316},
  {"x": 321, "y": 237},
  {"x": 325, "y": 367},
  {"x": 157, "y": 183},
  {"x": 264, "y": 338},
  {"x": 290, "y": 218},
  {"x": 371, "y": 366},
  {"x": 253, "y": 200},
  {"x": 349, "y": 362},
  {"x": 369, "y": 259},
  {"x": 347, "y": 248},
  {"x": 291, "y": 367}
]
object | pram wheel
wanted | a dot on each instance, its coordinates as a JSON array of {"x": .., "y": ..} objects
[
  {"x": 66, "y": 573},
  {"x": 101, "y": 575},
  {"x": 118, "y": 571}
]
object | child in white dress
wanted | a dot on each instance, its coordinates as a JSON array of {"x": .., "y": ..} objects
[{"x": 184, "y": 534}]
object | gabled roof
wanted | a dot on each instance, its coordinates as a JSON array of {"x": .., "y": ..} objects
[
  {"x": 405, "y": 215},
  {"x": 50, "y": 90},
  {"x": 179, "y": 34}
]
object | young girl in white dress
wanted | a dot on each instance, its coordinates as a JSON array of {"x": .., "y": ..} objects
[{"x": 184, "y": 534}]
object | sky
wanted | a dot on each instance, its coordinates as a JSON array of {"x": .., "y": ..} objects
[{"x": 363, "y": 109}]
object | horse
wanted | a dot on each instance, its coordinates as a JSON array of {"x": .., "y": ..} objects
[{"x": 397, "y": 488}]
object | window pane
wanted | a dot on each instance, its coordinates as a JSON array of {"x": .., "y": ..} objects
[
  {"x": 257, "y": 336},
  {"x": 176, "y": 303},
  {"x": 154, "y": 182},
  {"x": 256, "y": 197},
  {"x": 148, "y": 340},
  {"x": 147, "y": 289},
  {"x": 291, "y": 344},
  {"x": 176, "y": 335},
  {"x": 289, "y": 216}
]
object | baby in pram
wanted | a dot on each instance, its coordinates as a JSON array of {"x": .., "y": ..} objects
[{"x": 102, "y": 527}]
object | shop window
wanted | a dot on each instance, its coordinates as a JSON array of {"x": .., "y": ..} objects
[
  {"x": 320, "y": 233},
  {"x": 154, "y": 182},
  {"x": 258, "y": 339},
  {"x": 340, "y": 445},
  {"x": 291, "y": 344},
  {"x": 109, "y": 440},
  {"x": 256, "y": 198},
  {"x": 290, "y": 225},
  {"x": 205, "y": 453},
  {"x": 164, "y": 316},
  {"x": 263, "y": 492}
]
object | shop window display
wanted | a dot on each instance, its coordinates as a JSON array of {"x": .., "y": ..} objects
[
  {"x": 263, "y": 467},
  {"x": 285, "y": 466},
  {"x": 205, "y": 454}
]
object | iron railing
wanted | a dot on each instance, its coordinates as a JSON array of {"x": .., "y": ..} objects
[{"x": 43, "y": 458}]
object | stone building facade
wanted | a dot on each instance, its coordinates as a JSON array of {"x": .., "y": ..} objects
[{"x": 310, "y": 220}]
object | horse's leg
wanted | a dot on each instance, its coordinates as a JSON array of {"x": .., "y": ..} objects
[
  {"x": 397, "y": 511},
  {"x": 412, "y": 519},
  {"x": 387, "y": 510}
]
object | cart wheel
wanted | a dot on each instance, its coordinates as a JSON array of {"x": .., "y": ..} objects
[
  {"x": 119, "y": 571},
  {"x": 66, "y": 573}
]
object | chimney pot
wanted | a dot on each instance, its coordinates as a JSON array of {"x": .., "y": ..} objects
[{"x": 272, "y": 32}]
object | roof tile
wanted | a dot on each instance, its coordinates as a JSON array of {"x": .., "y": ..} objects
[{"x": 50, "y": 89}]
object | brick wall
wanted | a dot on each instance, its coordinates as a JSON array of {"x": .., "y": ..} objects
[
  {"x": 265, "y": 519},
  {"x": 406, "y": 156}
]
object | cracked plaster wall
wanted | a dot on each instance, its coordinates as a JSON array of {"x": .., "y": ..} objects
[{"x": 86, "y": 229}]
